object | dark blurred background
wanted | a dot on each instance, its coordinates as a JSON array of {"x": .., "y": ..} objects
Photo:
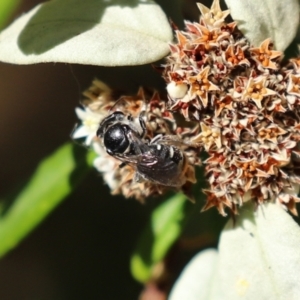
[{"x": 82, "y": 249}]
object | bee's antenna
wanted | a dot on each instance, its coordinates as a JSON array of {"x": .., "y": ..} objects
[
  {"x": 122, "y": 98},
  {"x": 79, "y": 88}
]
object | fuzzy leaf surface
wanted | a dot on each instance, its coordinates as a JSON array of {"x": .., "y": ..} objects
[
  {"x": 106, "y": 33},
  {"x": 258, "y": 258},
  {"x": 195, "y": 280},
  {"x": 259, "y": 20}
]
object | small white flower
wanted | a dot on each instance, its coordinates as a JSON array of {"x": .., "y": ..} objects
[
  {"x": 90, "y": 124},
  {"x": 106, "y": 165}
]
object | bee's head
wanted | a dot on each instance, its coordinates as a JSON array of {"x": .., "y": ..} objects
[
  {"x": 116, "y": 139},
  {"x": 113, "y": 118}
]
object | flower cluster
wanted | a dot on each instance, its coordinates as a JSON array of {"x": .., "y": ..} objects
[
  {"x": 99, "y": 103},
  {"x": 247, "y": 104},
  {"x": 240, "y": 104}
]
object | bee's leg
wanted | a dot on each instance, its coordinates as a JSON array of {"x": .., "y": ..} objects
[
  {"x": 138, "y": 178},
  {"x": 127, "y": 159},
  {"x": 156, "y": 139},
  {"x": 122, "y": 165},
  {"x": 117, "y": 103},
  {"x": 143, "y": 124}
]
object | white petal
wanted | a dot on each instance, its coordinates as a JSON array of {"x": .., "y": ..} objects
[
  {"x": 80, "y": 132},
  {"x": 88, "y": 32},
  {"x": 81, "y": 113},
  {"x": 98, "y": 148},
  {"x": 104, "y": 164},
  {"x": 90, "y": 138}
]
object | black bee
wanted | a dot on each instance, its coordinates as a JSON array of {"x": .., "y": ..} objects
[{"x": 157, "y": 160}]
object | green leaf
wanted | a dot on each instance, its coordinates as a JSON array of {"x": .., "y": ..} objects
[
  {"x": 258, "y": 258},
  {"x": 163, "y": 230},
  {"x": 6, "y": 9},
  {"x": 259, "y": 20},
  {"x": 52, "y": 181},
  {"x": 107, "y": 33}
]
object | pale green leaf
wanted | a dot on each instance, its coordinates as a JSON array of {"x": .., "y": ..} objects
[
  {"x": 195, "y": 280},
  {"x": 258, "y": 258},
  {"x": 53, "y": 180},
  {"x": 259, "y": 20},
  {"x": 107, "y": 33}
]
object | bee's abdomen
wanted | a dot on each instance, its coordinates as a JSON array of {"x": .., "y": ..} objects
[{"x": 167, "y": 153}]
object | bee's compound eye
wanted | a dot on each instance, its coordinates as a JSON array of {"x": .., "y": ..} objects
[{"x": 115, "y": 139}]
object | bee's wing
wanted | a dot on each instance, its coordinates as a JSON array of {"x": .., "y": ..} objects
[
  {"x": 173, "y": 140},
  {"x": 159, "y": 170}
]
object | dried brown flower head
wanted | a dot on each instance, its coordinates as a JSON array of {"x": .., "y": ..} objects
[
  {"x": 239, "y": 104},
  {"x": 247, "y": 105}
]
